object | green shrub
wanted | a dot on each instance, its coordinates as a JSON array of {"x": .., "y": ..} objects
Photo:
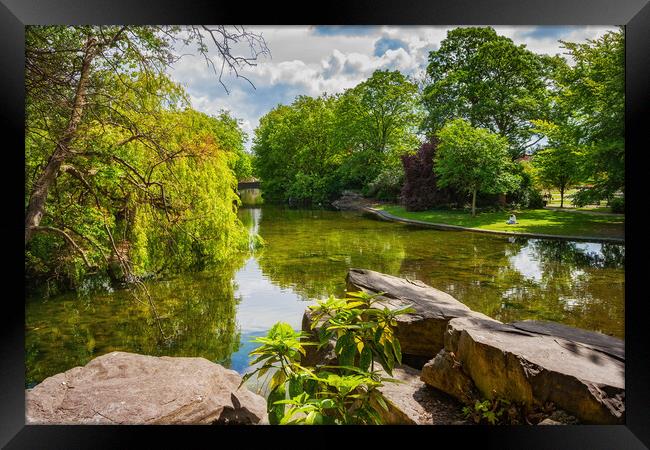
[
  {"x": 343, "y": 394},
  {"x": 387, "y": 185},
  {"x": 617, "y": 204}
]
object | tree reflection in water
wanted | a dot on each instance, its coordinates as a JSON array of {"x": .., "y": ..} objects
[{"x": 214, "y": 314}]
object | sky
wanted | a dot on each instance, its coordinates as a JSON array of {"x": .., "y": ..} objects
[{"x": 311, "y": 60}]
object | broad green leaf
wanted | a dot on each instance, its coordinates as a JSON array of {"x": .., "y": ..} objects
[{"x": 276, "y": 412}]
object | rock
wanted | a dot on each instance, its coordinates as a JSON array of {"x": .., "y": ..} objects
[
  {"x": 411, "y": 402},
  {"x": 474, "y": 356},
  {"x": 420, "y": 333},
  {"x": 349, "y": 201},
  {"x": 592, "y": 339},
  {"x": 127, "y": 388},
  {"x": 534, "y": 367},
  {"x": 549, "y": 422},
  {"x": 445, "y": 373}
]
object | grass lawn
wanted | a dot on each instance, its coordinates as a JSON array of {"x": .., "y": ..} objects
[
  {"x": 541, "y": 221},
  {"x": 568, "y": 197}
]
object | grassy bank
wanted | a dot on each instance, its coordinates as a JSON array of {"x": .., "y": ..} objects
[{"x": 540, "y": 221}]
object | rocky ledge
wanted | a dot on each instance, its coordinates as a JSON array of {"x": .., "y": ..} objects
[
  {"x": 128, "y": 388},
  {"x": 470, "y": 356}
]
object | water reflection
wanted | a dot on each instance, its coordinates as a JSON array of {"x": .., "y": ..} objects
[
  {"x": 197, "y": 312},
  {"x": 580, "y": 284},
  {"x": 307, "y": 255},
  {"x": 251, "y": 197}
]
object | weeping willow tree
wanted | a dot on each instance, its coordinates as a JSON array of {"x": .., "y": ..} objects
[{"x": 121, "y": 174}]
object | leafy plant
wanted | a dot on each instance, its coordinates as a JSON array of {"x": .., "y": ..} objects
[
  {"x": 617, "y": 204},
  {"x": 331, "y": 394},
  {"x": 363, "y": 332},
  {"x": 489, "y": 411},
  {"x": 499, "y": 411}
]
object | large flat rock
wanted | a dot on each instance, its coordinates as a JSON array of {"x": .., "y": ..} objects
[
  {"x": 127, "y": 388},
  {"x": 420, "y": 333},
  {"x": 473, "y": 356},
  {"x": 534, "y": 363},
  {"x": 411, "y": 402}
]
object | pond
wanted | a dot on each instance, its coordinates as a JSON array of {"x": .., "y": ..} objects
[{"x": 214, "y": 314}]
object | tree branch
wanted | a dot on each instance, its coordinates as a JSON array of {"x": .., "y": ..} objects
[{"x": 67, "y": 237}]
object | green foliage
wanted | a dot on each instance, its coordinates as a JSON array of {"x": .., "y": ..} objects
[
  {"x": 500, "y": 411},
  {"x": 526, "y": 195},
  {"x": 473, "y": 160},
  {"x": 489, "y": 81},
  {"x": 617, "y": 204},
  {"x": 147, "y": 179},
  {"x": 559, "y": 164},
  {"x": 591, "y": 97},
  {"x": 376, "y": 123},
  {"x": 387, "y": 185},
  {"x": 343, "y": 394},
  {"x": 493, "y": 412},
  {"x": 295, "y": 149},
  {"x": 308, "y": 152},
  {"x": 363, "y": 331}
]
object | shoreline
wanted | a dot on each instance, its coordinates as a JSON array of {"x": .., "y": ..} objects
[{"x": 441, "y": 226}]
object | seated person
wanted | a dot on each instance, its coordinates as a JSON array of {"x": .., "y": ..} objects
[{"x": 512, "y": 220}]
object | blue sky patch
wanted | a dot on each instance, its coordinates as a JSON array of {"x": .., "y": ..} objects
[
  {"x": 344, "y": 30},
  {"x": 548, "y": 32},
  {"x": 383, "y": 44}
]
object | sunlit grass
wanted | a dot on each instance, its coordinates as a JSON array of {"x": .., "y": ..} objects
[
  {"x": 568, "y": 202},
  {"x": 541, "y": 221}
]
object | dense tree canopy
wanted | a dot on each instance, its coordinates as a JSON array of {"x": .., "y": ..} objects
[
  {"x": 309, "y": 151},
  {"x": 376, "y": 122},
  {"x": 592, "y": 92},
  {"x": 490, "y": 81},
  {"x": 472, "y": 160},
  {"x": 120, "y": 172}
]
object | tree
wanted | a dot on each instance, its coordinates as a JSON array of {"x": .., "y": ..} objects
[
  {"x": 376, "y": 123},
  {"x": 296, "y": 151},
  {"x": 593, "y": 94},
  {"x": 472, "y": 160},
  {"x": 309, "y": 151},
  {"x": 108, "y": 137},
  {"x": 489, "y": 81},
  {"x": 420, "y": 190},
  {"x": 559, "y": 164},
  {"x": 68, "y": 72}
]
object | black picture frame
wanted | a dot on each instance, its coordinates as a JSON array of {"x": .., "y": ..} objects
[{"x": 634, "y": 14}]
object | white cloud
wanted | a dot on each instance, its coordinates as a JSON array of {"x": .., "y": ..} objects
[{"x": 310, "y": 61}]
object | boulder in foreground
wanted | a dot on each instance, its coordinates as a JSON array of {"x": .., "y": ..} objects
[
  {"x": 420, "y": 333},
  {"x": 128, "y": 388},
  {"x": 474, "y": 356},
  {"x": 535, "y": 363}
]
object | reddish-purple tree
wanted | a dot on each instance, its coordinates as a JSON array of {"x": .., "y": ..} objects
[{"x": 420, "y": 191}]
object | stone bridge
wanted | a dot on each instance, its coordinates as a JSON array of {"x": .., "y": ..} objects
[{"x": 248, "y": 184}]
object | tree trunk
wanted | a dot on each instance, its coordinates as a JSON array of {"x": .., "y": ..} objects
[
  {"x": 38, "y": 195},
  {"x": 474, "y": 203},
  {"x": 562, "y": 197}
]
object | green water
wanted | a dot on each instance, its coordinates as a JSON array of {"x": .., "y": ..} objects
[{"x": 214, "y": 314}]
